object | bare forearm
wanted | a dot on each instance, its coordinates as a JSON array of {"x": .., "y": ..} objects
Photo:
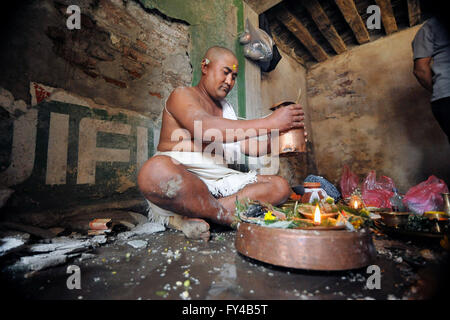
[
  {"x": 235, "y": 130},
  {"x": 423, "y": 72},
  {"x": 256, "y": 148},
  {"x": 425, "y": 78}
]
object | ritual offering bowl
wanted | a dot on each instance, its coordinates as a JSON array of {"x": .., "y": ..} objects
[
  {"x": 313, "y": 249},
  {"x": 291, "y": 142},
  {"x": 324, "y": 215},
  {"x": 395, "y": 219}
]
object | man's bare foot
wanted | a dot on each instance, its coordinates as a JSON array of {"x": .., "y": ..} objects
[{"x": 193, "y": 228}]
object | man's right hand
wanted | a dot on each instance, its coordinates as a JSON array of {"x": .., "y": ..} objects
[{"x": 288, "y": 117}]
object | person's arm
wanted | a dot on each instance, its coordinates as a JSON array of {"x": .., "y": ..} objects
[
  {"x": 423, "y": 73},
  {"x": 185, "y": 108},
  {"x": 254, "y": 147}
]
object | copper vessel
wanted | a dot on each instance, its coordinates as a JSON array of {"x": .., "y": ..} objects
[
  {"x": 395, "y": 219},
  {"x": 292, "y": 141},
  {"x": 326, "y": 250},
  {"x": 446, "y": 197}
]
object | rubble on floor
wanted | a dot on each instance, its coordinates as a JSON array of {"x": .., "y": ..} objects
[
  {"x": 145, "y": 263},
  {"x": 25, "y": 248}
]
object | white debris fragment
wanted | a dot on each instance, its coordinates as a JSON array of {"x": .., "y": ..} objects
[
  {"x": 185, "y": 295},
  {"x": 66, "y": 243},
  {"x": 9, "y": 243},
  {"x": 138, "y": 244},
  {"x": 41, "y": 261},
  {"x": 86, "y": 256},
  {"x": 100, "y": 239},
  {"x": 148, "y": 228}
]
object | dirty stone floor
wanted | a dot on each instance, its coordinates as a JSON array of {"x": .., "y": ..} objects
[{"x": 173, "y": 267}]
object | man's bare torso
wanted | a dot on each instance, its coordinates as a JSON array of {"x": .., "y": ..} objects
[{"x": 173, "y": 136}]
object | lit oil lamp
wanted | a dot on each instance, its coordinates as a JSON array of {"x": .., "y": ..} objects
[
  {"x": 321, "y": 220},
  {"x": 356, "y": 202},
  {"x": 317, "y": 216}
]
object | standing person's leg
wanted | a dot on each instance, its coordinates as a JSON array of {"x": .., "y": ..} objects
[{"x": 441, "y": 111}]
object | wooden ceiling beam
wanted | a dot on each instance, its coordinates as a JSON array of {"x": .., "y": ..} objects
[
  {"x": 387, "y": 16},
  {"x": 260, "y": 6},
  {"x": 325, "y": 26},
  {"x": 288, "y": 50},
  {"x": 354, "y": 20},
  {"x": 413, "y": 12},
  {"x": 301, "y": 33}
]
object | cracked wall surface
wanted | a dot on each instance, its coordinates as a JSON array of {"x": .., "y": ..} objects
[
  {"x": 368, "y": 111},
  {"x": 80, "y": 110},
  {"x": 122, "y": 56}
]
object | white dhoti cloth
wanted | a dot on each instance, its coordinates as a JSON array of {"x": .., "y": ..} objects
[
  {"x": 213, "y": 171},
  {"x": 220, "y": 180}
]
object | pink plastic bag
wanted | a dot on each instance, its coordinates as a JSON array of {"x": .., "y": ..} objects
[
  {"x": 377, "y": 193},
  {"x": 371, "y": 183},
  {"x": 426, "y": 196},
  {"x": 349, "y": 182},
  {"x": 378, "y": 198}
]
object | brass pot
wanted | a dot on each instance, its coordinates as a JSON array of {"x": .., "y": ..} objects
[
  {"x": 446, "y": 197},
  {"x": 291, "y": 142},
  {"x": 395, "y": 219}
]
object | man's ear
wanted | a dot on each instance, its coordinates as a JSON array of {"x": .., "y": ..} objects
[{"x": 205, "y": 63}]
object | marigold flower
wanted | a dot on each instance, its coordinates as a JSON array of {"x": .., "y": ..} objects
[{"x": 269, "y": 216}]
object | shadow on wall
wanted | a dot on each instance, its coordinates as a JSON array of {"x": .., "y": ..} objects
[{"x": 429, "y": 149}]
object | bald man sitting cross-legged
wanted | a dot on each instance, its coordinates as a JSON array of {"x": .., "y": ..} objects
[{"x": 184, "y": 182}]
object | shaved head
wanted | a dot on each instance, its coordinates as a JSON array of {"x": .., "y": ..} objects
[{"x": 216, "y": 52}]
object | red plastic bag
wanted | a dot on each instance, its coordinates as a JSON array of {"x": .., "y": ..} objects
[
  {"x": 426, "y": 196},
  {"x": 378, "y": 198},
  {"x": 371, "y": 183},
  {"x": 377, "y": 193},
  {"x": 349, "y": 182}
]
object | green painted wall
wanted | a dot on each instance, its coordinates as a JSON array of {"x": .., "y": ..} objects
[{"x": 217, "y": 22}]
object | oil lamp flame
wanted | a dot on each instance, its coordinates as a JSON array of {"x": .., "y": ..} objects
[
  {"x": 317, "y": 215},
  {"x": 355, "y": 204}
]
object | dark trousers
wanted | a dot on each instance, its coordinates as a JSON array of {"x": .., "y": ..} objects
[{"x": 441, "y": 111}]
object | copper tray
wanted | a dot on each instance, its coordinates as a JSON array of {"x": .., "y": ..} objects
[{"x": 327, "y": 250}]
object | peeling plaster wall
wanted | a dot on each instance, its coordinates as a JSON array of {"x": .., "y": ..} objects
[
  {"x": 283, "y": 83},
  {"x": 122, "y": 56},
  {"x": 80, "y": 109},
  {"x": 367, "y": 110},
  {"x": 217, "y": 22}
]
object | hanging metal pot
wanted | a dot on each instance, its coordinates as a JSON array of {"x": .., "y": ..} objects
[{"x": 292, "y": 142}]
